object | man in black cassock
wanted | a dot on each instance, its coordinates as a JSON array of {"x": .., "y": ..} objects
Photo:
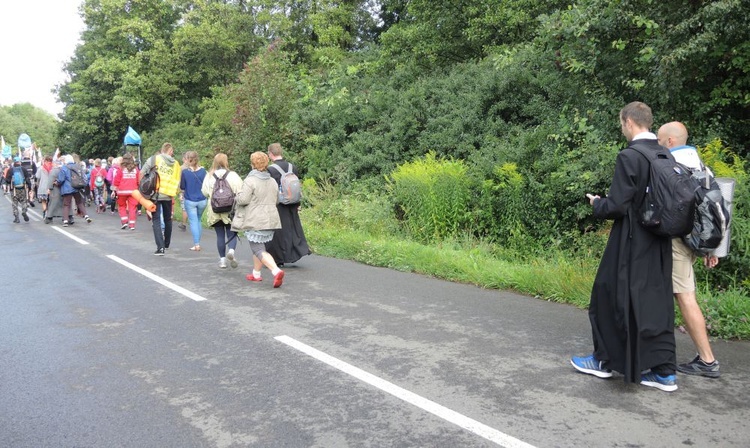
[
  {"x": 631, "y": 309},
  {"x": 289, "y": 243}
]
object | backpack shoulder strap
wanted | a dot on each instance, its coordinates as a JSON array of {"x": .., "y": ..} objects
[
  {"x": 290, "y": 169},
  {"x": 226, "y": 173},
  {"x": 647, "y": 153},
  {"x": 278, "y": 168}
]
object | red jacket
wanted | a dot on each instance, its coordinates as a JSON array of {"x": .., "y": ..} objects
[
  {"x": 94, "y": 172},
  {"x": 126, "y": 181}
]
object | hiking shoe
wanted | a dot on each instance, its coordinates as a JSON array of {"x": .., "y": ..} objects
[
  {"x": 25, "y": 216},
  {"x": 699, "y": 367},
  {"x": 278, "y": 279},
  {"x": 232, "y": 260},
  {"x": 223, "y": 262},
  {"x": 160, "y": 251},
  {"x": 666, "y": 383},
  {"x": 88, "y": 220},
  {"x": 253, "y": 278},
  {"x": 65, "y": 223},
  {"x": 589, "y": 364}
]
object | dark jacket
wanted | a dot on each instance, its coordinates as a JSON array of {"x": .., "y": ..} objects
[
  {"x": 26, "y": 176},
  {"x": 632, "y": 310}
]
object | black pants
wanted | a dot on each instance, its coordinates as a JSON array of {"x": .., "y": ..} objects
[{"x": 163, "y": 208}]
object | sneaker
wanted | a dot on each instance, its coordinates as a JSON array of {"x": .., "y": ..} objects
[
  {"x": 699, "y": 367},
  {"x": 123, "y": 227},
  {"x": 278, "y": 279},
  {"x": 88, "y": 220},
  {"x": 65, "y": 223},
  {"x": 666, "y": 383},
  {"x": 223, "y": 262},
  {"x": 232, "y": 260},
  {"x": 253, "y": 278},
  {"x": 25, "y": 216},
  {"x": 16, "y": 220},
  {"x": 132, "y": 228},
  {"x": 160, "y": 251},
  {"x": 182, "y": 226},
  {"x": 32, "y": 204},
  {"x": 589, "y": 364}
]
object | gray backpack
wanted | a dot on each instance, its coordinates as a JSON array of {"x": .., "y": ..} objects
[{"x": 290, "y": 188}]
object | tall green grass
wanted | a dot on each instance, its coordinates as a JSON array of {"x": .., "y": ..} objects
[{"x": 362, "y": 227}]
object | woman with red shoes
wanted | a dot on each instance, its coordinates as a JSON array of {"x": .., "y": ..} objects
[{"x": 256, "y": 214}]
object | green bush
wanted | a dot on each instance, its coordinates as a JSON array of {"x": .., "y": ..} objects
[{"x": 433, "y": 195}]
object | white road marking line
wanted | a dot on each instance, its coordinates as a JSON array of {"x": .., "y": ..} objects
[
  {"x": 35, "y": 216},
  {"x": 480, "y": 429},
  {"x": 157, "y": 279},
  {"x": 30, "y": 211},
  {"x": 70, "y": 235}
]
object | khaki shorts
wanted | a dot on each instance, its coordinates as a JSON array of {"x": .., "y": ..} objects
[{"x": 683, "y": 275}]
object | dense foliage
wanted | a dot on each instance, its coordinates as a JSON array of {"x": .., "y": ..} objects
[
  {"x": 19, "y": 119},
  {"x": 523, "y": 95}
]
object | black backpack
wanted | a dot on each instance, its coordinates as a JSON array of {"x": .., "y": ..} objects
[
  {"x": 76, "y": 180},
  {"x": 149, "y": 183},
  {"x": 668, "y": 207},
  {"x": 222, "y": 196},
  {"x": 711, "y": 221}
]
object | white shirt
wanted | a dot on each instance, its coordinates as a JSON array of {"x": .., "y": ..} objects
[{"x": 688, "y": 156}]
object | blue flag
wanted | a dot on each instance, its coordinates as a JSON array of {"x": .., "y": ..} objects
[
  {"x": 24, "y": 141},
  {"x": 132, "y": 137}
]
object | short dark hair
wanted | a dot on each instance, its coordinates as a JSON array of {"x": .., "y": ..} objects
[{"x": 639, "y": 113}]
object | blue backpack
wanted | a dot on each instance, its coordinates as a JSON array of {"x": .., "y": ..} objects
[{"x": 19, "y": 181}]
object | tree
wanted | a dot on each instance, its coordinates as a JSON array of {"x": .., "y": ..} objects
[
  {"x": 264, "y": 98},
  {"x": 689, "y": 62},
  {"x": 118, "y": 75},
  {"x": 40, "y": 125}
]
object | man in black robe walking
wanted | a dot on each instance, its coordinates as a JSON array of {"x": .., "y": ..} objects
[
  {"x": 631, "y": 309},
  {"x": 289, "y": 244}
]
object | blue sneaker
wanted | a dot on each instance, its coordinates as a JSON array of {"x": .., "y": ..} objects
[
  {"x": 666, "y": 383},
  {"x": 589, "y": 364}
]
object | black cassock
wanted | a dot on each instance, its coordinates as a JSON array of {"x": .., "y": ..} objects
[
  {"x": 289, "y": 243},
  {"x": 632, "y": 310}
]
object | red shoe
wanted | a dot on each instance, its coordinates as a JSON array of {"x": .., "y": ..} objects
[
  {"x": 277, "y": 279},
  {"x": 253, "y": 278}
]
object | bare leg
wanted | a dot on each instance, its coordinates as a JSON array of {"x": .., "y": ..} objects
[{"x": 695, "y": 324}]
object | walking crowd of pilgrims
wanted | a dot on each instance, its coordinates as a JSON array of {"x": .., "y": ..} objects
[{"x": 66, "y": 187}]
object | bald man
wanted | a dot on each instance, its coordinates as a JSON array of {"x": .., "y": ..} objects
[{"x": 674, "y": 136}]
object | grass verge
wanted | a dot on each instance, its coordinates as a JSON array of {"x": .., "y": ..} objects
[{"x": 553, "y": 276}]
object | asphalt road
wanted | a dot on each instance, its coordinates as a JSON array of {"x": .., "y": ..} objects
[{"x": 95, "y": 354}]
